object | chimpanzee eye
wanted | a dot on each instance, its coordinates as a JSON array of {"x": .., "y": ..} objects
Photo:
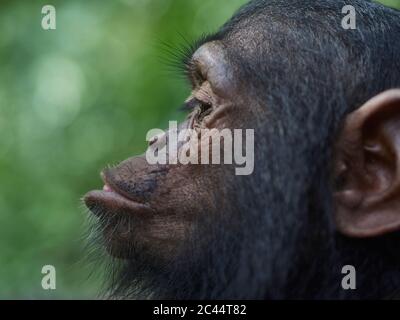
[
  {"x": 195, "y": 104},
  {"x": 190, "y": 105}
]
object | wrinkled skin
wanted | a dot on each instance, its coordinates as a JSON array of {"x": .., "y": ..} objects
[
  {"x": 199, "y": 231},
  {"x": 166, "y": 199}
]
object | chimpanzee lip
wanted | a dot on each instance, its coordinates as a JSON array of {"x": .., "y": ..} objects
[
  {"x": 100, "y": 202},
  {"x": 111, "y": 186},
  {"x": 111, "y": 199}
]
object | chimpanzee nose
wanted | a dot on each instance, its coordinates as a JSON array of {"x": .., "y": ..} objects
[{"x": 133, "y": 178}]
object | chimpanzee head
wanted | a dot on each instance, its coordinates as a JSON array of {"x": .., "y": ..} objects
[{"x": 324, "y": 191}]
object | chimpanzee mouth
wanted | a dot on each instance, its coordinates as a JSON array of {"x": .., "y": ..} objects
[
  {"x": 101, "y": 202},
  {"x": 111, "y": 200}
]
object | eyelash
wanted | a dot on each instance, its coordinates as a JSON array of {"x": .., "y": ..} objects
[{"x": 192, "y": 104}]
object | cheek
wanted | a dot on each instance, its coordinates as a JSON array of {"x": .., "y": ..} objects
[
  {"x": 184, "y": 197},
  {"x": 205, "y": 147},
  {"x": 166, "y": 230}
]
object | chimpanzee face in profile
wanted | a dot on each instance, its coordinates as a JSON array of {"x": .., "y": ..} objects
[{"x": 324, "y": 103}]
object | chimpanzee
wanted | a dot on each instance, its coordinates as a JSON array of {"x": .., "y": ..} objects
[{"x": 324, "y": 103}]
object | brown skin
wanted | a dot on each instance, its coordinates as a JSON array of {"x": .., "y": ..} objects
[
  {"x": 368, "y": 203},
  {"x": 162, "y": 203}
]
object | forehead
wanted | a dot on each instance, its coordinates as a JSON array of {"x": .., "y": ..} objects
[{"x": 243, "y": 32}]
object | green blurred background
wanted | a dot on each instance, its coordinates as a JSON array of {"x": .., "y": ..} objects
[{"x": 73, "y": 100}]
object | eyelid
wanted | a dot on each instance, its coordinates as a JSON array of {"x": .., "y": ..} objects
[
  {"x": 189, "y": 105},
  {"x": 193, "y": 103}
]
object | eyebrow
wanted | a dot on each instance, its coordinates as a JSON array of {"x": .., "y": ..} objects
[{"x": 189, "y": 48}]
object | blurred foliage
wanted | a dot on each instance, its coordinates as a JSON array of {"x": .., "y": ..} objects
[{"x": 73, "y": 100}]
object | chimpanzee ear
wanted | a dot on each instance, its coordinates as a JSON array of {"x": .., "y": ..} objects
[{"x": 367, "y": 168}]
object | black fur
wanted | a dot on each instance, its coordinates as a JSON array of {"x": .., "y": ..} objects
[{"x": 278, "y": 240}]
